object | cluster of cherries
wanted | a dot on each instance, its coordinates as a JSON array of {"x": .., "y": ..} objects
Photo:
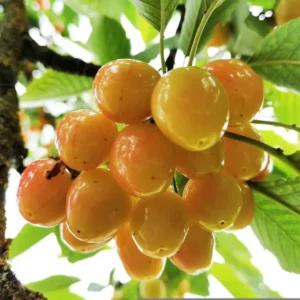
[{"x": 117, "y": 184}]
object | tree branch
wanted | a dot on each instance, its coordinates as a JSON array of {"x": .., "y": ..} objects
[
  {"x": 50, "y": 59},
  {"x": 12, "y": 150}
]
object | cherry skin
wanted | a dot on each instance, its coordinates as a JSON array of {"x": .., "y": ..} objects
[
  {"x": 190, "y": 107},
  {"x": 213, "y": 200},
  {"x": 286, "y": 10},
  {"x": 138, "y": 266},
  {"x": 77, "y": 245},
  {"x": 84, "y": 139},
  {"x": 263, "y": 175},
  {"x": 220, "y": 36},
  {"x": 96, "y": 206},
  {"x": 195, "y": 254},
  {"x": 123, "y": 90},
  {"x": 159, "y": 224},
  {"x": 42, "y": 201},
  {"x": 247, "y": 212},
  {"x": 242, "y": 160},
  {"x": 142, "y": 160},
  {"x": 153, "y": 289},
  {"x": 243, "y": 86},
  {"x": 194, "y": 164}
]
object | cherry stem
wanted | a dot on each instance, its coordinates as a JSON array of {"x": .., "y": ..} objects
[
  {"x": 207, "y": 15},
  {"x": 272, "y": 123},
  {"x": 258, "y": 188},
  {"x": 276, "y": 152}
]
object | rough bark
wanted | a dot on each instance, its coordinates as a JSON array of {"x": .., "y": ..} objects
[{"x": 12, "y": 150}]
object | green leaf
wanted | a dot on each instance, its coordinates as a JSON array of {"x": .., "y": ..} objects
[
  {"x": 286, "y": 191},
  {"x": 151, "y": 10},
  {"x": 130, "y": 290},
  {"x": 108, "y": 40},
  {"x": 258, "y": 26},
  {"x": 181, "y": 181},
  {"x": 95, "y": 8},
  {"x": 95, "y": 287},
  {"x": 266, "y": 4},
  {"x": 64, "y": 294},
  {"x": 147, "y": 31},
  {"x": 199, "y": 284},
  {"x": 172, "y": 276},
  {"x": 278, "y": 231},
  {"x": 245, "y": 36},
  {"x": 238, "y": 262},
  {"x": 72, "y": 256},
  {"x": 286, "y": 104},
  {"x": 277, "y": 58},
  {"x": 295, "y": 159},
  {"x": 28, "y": 236},
  {"x": 153, "y": 50},
  {"x": 231, "y": 281},
  {"x": 55, "y": 85},
  {"x": 52, "y": 283},
  {"x": 276, "y": 140},
  {"x": 194, "y": 15}
]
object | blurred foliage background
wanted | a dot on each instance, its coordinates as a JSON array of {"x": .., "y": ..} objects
[{"x": 99, "y": 31}]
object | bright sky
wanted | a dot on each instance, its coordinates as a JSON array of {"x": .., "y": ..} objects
[{"x": 43, "y": 259}]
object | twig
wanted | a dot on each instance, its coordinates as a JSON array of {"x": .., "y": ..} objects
[{"x": 276, "y": 124}]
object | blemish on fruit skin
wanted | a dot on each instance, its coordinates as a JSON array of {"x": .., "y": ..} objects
[
  {"x": 78, "y": 231},
  {"x": 105, "y": 139},
  {"x": 153, "y": 177}
]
